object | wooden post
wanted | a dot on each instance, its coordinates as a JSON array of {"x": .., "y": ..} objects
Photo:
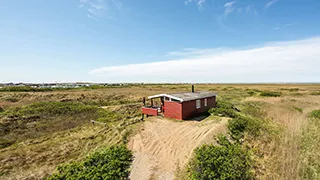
[{"x": 144, "y": 101}]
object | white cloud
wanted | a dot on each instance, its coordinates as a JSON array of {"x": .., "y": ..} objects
[
  {"x": 269, "y": 4},
  {"x": 276, "y": 28},
  {"x": 285, "y": 26},
  {"x": 101, "y": 8},
  {"x": 93, "y": 12},
  {"x": 292, "y": 61},
  {"x": 96, "y": 6},
  {"x": 229, "y": 7},
  {"x": 229, "y": 4},
  {"x": 91, "y": 17},
  {"x": 194, "y": 52},
  {"x": 199, "y": 3}
]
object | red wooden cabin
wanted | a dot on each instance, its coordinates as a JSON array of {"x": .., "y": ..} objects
[{"x": 180, "y": 105}]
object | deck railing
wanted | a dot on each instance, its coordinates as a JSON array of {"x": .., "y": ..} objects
[{"x": 153, "y": 111}]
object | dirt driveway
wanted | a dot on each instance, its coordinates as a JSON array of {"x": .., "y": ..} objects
[{"x": 163, "y": 145}]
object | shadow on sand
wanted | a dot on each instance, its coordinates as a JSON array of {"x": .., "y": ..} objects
[{"x": 199, "y": 117}]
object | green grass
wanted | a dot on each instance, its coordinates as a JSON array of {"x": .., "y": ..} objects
[
  {"x": 43, "y": 118},
  {"x": 310, "y": 148},
  {"x": 50, "y": 109}
]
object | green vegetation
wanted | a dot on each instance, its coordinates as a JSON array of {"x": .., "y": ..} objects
[
  {"x": 110, "y": 164},
  {"x": 298, "y": 109},
  {"x": 238, "y": 126},
  {"x": 226, "y": 161},
  {"x": 251, "y": 92},
  {"x": 310, "y": 148},
  {"x": 48, "y": 89},
  {"x": 40, "y": 128},
  {"x": 315, "y": 114},
  {"x": 248, "y": 120},
  {"x": 270, "y": 94},
  {"x": 42, "y": 118},
  {"x": 290, "y": 89},
  {"x": 223, "y": 108},
  {"x": 24, "y": 89},
  {"x": 315, "y": 93},
  {"x": 231, "y": 159},
  {"x": 50, "y": 109}
]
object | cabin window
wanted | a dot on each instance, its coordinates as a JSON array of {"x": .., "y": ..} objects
[
  {"x": 205, "y": 102},
  {"x": 198, "y": 104}
]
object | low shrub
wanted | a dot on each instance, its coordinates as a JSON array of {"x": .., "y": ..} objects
[
  {"x": 253, "y": 109},
  {"x": 241, "y": 124},
  {"x": 297, "y": 94},
  {"x": 298, "y": 109},
  {"x": 111, "y": 163},
  {"x": 315, "y": 93},
  {"x": 226, "y": 161},
  {"x": 11, "y": 99},
  {"x": 270, "y": 94},
  {"x": 315, "y": 114},
  {"x": 251, "y": 92},
  {"x": 5, "y": 142},
  {"x": 223, "y": 108},
  {"x": 294, "y": 89},
  {"x": 106, "y": 115}
]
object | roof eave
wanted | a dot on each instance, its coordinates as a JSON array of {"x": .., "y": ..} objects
[{"x": 165, "y": 95}]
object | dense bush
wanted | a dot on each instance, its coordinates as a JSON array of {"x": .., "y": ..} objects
[
  {"x": 226, "y": 161},
  {"x": 251, "y": 92},
  {"x": 223, "y": 108},
  {"x": 241, "y": 124},
  {"x": 315, "y": 114},
  {"x": 112, "y": 163},
  {"x": 253, "y": 109},
  {"x": 270, "y": 94}
]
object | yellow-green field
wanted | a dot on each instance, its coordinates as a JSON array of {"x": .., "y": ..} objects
[{"x": 37, "y": 134}]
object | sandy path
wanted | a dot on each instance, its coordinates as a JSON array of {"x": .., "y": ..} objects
[{"x": 164, "y": 144}]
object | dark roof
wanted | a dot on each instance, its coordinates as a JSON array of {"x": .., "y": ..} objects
[{"x": 186, "y": 96}]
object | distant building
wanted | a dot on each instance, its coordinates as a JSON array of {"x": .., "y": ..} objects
[{"x": 180, "y": 105}]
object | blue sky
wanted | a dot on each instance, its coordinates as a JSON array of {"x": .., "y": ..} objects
[{"x": 160, "y": 41}]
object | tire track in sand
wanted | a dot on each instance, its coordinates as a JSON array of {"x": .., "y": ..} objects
[{"x": 163, "y": 144}]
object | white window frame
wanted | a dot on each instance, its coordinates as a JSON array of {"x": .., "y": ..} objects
[
  {"x": 198, "y": 103},
  {"x": 205, "y": 102}
]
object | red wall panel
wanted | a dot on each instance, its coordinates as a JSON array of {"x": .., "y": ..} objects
[
  {"x": 189, "y": 107},
  {"x": 172, "y": 110}
]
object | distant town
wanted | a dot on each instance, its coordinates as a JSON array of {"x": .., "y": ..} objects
[{"x": 59, "y": 85}]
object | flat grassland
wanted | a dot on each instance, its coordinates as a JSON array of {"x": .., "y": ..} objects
[{"x": 41, "y": 130}]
